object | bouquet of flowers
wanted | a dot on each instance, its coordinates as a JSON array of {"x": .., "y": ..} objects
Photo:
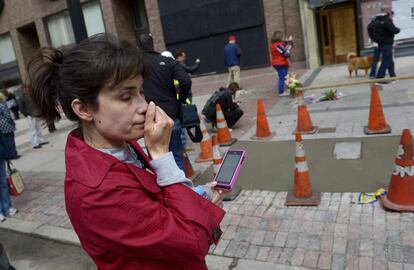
[{"x": 292, "y": 84}]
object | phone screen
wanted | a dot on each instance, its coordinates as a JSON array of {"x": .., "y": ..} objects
[{"x": 228, "y": 166}]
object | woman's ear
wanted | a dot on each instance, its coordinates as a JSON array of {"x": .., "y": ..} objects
[{"x": 82, "y": 111}]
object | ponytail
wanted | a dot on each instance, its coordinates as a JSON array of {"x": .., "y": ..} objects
[{"x": 43, "y": 83}]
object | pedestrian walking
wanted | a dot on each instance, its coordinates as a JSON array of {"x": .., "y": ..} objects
[
  {"x": 160, "y": 89},
  {"x": 129, "y": 210},
  {"x": 280, "y": 53},
  {"x": 181, "y": 57},
  {"x": 384, "y": 34},
  {"x": 12, "y": 104},
  {"x": 232, "y": 54},
  {"x": 34, "y": 123},
  {"x": 7, "y": 152}
]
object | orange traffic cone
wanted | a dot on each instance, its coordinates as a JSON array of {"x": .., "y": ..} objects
[
  {"x": 223, "y": 132},
  {"x": 302, "y": 194},
  {"x": 376, "y": 121},
  {"x": 206, "y": 146},
  {"x": 188, "y": 168},
  {"x": 217, "y": 158},
  {"x": 305, "y": 125},
  {"x": 400, "y": 196},
  {"x": 262, "y": 126}
]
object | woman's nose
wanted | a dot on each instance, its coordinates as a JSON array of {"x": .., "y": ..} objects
[{"x": 142, "y": 105}]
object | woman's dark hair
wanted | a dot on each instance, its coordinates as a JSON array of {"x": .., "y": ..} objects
[
  {"x": 57, "y": 78},
  {"x": 276, "y": 37}
]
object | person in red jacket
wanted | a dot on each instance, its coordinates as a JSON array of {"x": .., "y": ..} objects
[
  {"x": 280, "y": 53},
  {"x": 129, "y": 210}
]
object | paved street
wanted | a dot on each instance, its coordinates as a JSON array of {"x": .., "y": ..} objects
[
  {"x": 35, "y": 253},
  {"x": 259, "y": 231}
]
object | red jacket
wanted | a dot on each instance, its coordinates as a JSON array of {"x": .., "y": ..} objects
[
  {"x": 278, "y": 59},
  {"x": 124, "y": 220}
]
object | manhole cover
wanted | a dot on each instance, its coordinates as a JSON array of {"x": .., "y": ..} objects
[{"x": 347, "y": 150}]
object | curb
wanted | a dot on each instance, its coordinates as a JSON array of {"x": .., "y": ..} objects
[
  {"x": 36, "y": 229},
  {"x": 215, "y": 262}
]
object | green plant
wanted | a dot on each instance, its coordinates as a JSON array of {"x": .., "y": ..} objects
[{"x": 329, "y": 95}]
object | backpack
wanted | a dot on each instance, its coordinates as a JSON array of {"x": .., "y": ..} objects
[
  {"x": 209, "y": 109},
  {"x": 376, "y": 30}
]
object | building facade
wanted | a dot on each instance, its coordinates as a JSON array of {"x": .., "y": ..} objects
[
  {"x": 200, "y": 27},
  {"x": 333, "y": 28}
]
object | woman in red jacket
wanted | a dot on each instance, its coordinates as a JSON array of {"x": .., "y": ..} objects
[
  {"x": 128, "y": 210},
  {"x": 280, "y": 53}
]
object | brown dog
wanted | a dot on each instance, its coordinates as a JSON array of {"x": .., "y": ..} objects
[{"x": 355, "y": 63}]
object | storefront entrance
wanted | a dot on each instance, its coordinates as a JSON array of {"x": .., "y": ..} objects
[{"x": 338, "y": 35}]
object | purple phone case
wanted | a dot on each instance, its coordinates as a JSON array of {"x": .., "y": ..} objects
[{"x": 230, "y": 186}]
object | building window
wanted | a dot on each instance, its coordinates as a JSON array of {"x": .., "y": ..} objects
[
  {"x": 140, "y": 14},
  {"x": 60, "y": 29},
  {"x": 60, "y": 26},
  {"x": 93, "y": 18},
  {"x": 6, "y": 50}
]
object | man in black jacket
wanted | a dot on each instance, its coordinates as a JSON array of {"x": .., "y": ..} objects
[
  {"x": 181, "y": 57},
  {"x": 385, "y": 46},
  {"x": 224, "y": 97},
  {"x": 160, "y": 89}
]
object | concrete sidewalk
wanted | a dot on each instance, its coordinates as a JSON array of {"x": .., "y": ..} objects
[{"x": 259, "y": 231}]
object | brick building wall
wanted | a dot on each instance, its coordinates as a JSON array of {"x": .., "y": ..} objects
[
  {"x": 284, "y": 15},
  {"x": 154, "y": 21},
  {"x": 281, "y": 15}
]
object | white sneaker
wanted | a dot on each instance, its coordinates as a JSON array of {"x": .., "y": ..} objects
[
  {"x": 12, "y": 211},
  {"x": 284, "y": 94},
  {"x": 2, "y": 218}
]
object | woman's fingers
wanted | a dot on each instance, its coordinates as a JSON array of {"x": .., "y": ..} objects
[{"x": 150, "y": 115}]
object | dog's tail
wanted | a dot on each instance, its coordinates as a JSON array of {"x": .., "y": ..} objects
[{"x": 350, "y": 55}]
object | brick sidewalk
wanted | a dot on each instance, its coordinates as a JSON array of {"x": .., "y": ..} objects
[
  {"x": 257, "y": 226},
  {"x": 334, "y": 235}
]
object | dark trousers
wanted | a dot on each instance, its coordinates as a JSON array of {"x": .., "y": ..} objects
[
  {"x": 15, "y": 111},
  {"x": 375, "y": 59},
  {"x": 387, "y": 61},
  {"x": 176, "y": 145},
  {"x": 232, "y": 116}
]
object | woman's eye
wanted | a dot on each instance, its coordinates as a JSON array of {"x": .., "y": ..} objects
[{"x": 126, "y": 97}]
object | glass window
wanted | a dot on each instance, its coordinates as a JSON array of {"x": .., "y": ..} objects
[
  {"x": 93, "y": 18},
  {"x": 140, "y": 14},
  {"x": 6, "y": 49},
  {"x": 60, "y": 29}
]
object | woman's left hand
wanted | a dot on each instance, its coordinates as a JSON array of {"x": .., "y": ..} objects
[{"x": 157, "y": 131}]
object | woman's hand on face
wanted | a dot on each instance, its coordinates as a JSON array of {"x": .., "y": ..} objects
[{"x": 157, "y": 131}]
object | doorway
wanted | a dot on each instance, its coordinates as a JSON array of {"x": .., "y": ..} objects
[{"x": 337, "y": 26}]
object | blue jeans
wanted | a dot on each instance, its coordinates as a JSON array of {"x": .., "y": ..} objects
[
  {"x": 282, "y": 71},
  {"x": 387, "y": 61},
  {"x": 5, "y": 201},
  {"x": 176, "y": 145},
  {"x": 374, "y": 64}
]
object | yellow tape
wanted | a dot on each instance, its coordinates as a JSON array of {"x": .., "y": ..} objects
[{"x": 365, "y": 198}]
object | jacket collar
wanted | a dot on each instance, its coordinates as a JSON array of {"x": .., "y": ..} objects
[{"x": 82, "y": 159}]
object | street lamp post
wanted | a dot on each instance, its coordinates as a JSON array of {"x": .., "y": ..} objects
[{"x": 78, "y": 22}]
